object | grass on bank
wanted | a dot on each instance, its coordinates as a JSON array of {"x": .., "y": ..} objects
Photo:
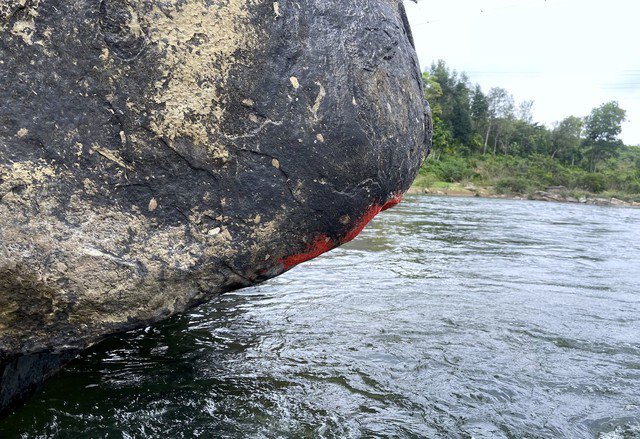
[{"x": 523, "y": 176}]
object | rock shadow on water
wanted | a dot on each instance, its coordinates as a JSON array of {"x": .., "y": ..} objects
[{"x": 153, "y": 380}]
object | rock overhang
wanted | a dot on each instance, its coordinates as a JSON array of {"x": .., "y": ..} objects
[{"x": 156, "y": 153}]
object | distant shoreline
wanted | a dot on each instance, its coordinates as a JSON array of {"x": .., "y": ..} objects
[{"x": 554, "y": 194}]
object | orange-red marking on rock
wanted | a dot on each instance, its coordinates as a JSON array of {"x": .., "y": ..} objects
[{"x": 323, "y": 243}]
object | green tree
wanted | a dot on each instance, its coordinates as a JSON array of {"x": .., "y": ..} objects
[
  {"x": 529, "y": 139},
  {"x": 602, "y": 128},
  {"x": 501, "y": 116},
  {"x": 442, "y": 136},
  {"x": 566, "y": 139},
  {"x": 479, "y": 112},
  {"x": 453, "y": 101}
]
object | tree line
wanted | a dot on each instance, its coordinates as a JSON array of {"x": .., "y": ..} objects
[{"x": 471, "y": 123}]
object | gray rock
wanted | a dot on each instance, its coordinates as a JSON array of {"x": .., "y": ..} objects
[
  {"x": 156, "y": 153},
  {"x": 618, "y": 202}
]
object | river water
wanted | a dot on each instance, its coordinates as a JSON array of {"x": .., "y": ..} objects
[{"x": 446, "y": 318}]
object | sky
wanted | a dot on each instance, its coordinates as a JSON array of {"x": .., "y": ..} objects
[{"x": 568, "y": 56}]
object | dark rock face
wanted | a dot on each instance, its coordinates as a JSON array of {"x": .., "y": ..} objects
[{"x": 155, "y": 153}]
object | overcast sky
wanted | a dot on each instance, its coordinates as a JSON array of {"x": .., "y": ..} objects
[{"x": 568, "y": 56}]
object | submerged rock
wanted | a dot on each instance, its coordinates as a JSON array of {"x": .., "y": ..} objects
[{"x": 156, "y": 153}]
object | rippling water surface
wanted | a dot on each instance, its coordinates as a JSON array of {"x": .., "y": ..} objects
[{"x": 448, "y": 317}]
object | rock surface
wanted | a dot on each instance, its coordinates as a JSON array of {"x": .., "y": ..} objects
[{"x": 155, "y": 153}]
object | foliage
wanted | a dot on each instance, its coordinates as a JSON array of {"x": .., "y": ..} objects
[
  {"x": 602, "y": 128},
  {"x": 490, "y": 139},
  {"x": 516, "y": 185},
  {"x": 449, "y": 168}
]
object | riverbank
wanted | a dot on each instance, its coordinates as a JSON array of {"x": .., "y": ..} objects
[
  {"x": 534, "y": 177},
  {"x": 556, "y": 193}
]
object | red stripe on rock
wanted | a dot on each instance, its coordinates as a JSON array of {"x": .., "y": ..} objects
[{"x": 323, "y": 243}]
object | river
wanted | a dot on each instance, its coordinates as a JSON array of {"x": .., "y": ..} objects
[{"x": 446, "y": 318}]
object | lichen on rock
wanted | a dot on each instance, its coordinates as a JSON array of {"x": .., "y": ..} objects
[
  {"x": 18, "y": 16},
  {"x": 156, "y": 153},
  {"x": 196, "y": 63}
]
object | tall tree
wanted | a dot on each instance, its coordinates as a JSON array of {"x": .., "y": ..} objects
[
  {"x": 501, "y": 115},
  {"x": 442, "y": 136},
  {"x": 529, "y": 138},
  {"x": 479, "y": 112},
  {"x": 453, "y": 101},
  {"x": 566, "y": 140},
  {"x": 602, "y": 128},
  {"x": 525, "y": 111}
]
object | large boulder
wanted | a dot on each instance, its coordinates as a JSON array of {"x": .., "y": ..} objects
[{"x": 156, "y": 153}]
